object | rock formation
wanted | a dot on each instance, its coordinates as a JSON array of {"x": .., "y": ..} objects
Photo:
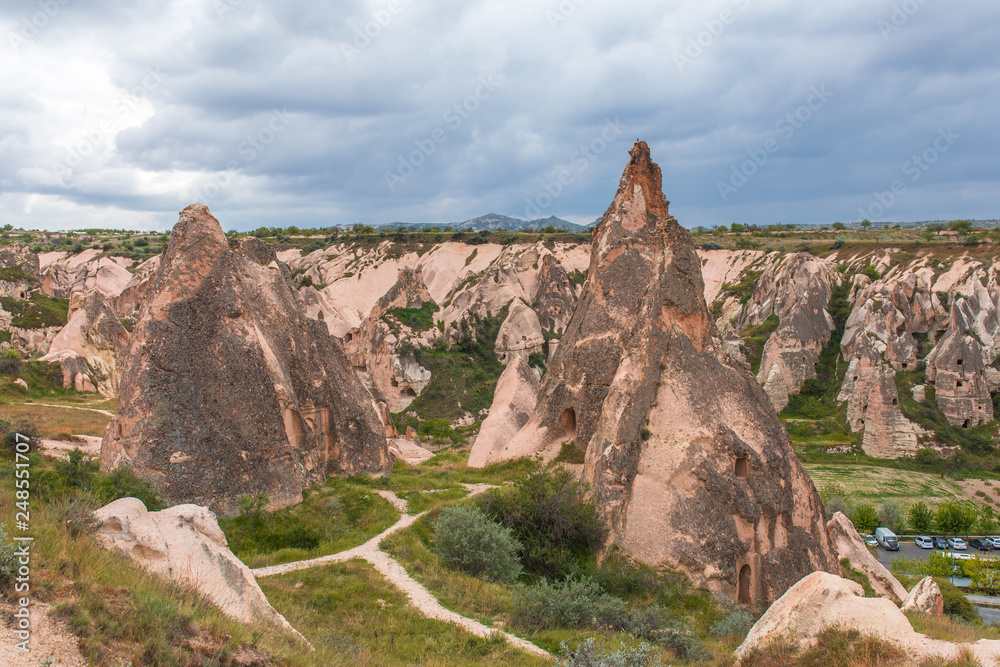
[
  {"x": 131, "y": 300},
  {"x": 227, "y": 390},
  {"x": 797, "y": 291},
  {"x": 849, "y": 545},
  {"x": 925, "y": 598},
  {"x": 19, "y": 273},
  {"x": 520, "y": 334},
  {"x": 64, "y": 274},
  {"x": 513, "y": 402},
  {"x": 555, "y": 298},
  {"x": 686, "y": 458},
  {"x": 821, "y": 601},
  {"x": 89, "y": 347},
  {"x": 185, "y": 544},
  {"x": 956, "y": 369}
]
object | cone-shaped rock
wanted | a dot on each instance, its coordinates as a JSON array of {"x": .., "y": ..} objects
[
  {"x": 685, "y": 456},
  {"x": 227, "y": 390}
]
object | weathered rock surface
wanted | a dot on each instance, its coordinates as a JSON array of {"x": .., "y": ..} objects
[
  {"x": 686, "y": 458},
  {"x": 925, "y": 598},
  {"x": 513, "y": 402},
  {"x": 957, "y": 370},
  {"x": 185, "y": 544},
  {"x": 797, "y": 291},
  {"x": 520, "y": 334},
  {"x": 849, "y": 545},
  {"x": 64, "y": 274},
  {"x": 823, "y": 600},
  {"x": 227, "y": 390},
  {"x": 131, "y": 300},
  {"x": 19, "y": 272},
  {"x": 554, "y": 297},
  {"x": 89, "y": 347}
]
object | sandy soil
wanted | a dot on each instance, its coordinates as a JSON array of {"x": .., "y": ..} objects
[{"x": 49, "y": 640}]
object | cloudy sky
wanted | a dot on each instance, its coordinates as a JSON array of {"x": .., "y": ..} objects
[{"x": 118, "y": 113}]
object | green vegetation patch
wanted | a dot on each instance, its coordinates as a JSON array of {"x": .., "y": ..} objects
[
  {"x": 978, "y": 440},
  {"x": 15, "y": 274},
  {"x": 418, "y": 319},
  {"x": 743, "y": 290},
  {"x": 37, "y": 312},
  {"x": 754, "y": 338}
]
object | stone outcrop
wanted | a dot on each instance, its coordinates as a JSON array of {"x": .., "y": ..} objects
[
  {"x": 19, "y": 272},
  {"x": 66, "y": 274},
  {"x": 227, "y": 390},
  {"x": 554, "y": 298},
  {"x": 849, "y": 545},
  {"x": 821, "y": 601},
  {"x": 89, "y": 347},
  {"x": 958, "y": 372},
  {"x": 520, "y": 334},
  {"x": 394, "y": 378},
  {"x": 686, "y": 459},
  {"x": 925, "y": 598},
  {"x": 185, "y": 544},
  {"x": 131, "y": 300},
  {"x": 797, "y": 291},
  {"x": 513, "y": 402}
]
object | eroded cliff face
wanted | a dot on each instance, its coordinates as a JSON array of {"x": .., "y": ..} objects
[
  {"x": 957, "y": 370},
  {"x": 227, "y": 390},
  {"x": 685, "y": 456}
]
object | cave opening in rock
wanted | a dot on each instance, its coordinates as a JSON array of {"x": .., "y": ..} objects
[
  {"x": 895, "y": 401},
  {"x": 958, "y": 384},
  {"x": 567, "y": 421},
  {"x": 744, "y": 585},
  {"x": 967, "y": 423},
  {"x": 742, "y": 467}
]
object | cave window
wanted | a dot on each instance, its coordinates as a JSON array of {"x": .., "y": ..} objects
[
  {"x": 410, "y": 392},
  {"x": 959, "y": 362},
  {"x": 393, "y": 382},
  {"x": 904, "y": 365},
  {"x": 958, "y": 383},
  {"x": 744, "y": 585},
  {"x": 967, "y": 423},
  {"x": 895, "y": 401},
  {"x": 855, "y": 378},
  {"x": 567, "y": 420},
  {"x": 742, "y": 467},
  {"x": 865, "y": 409},
  {"x": 348, "y": 337}
]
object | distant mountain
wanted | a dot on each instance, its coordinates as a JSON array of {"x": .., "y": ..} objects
[{"x": 495, "y": 222}]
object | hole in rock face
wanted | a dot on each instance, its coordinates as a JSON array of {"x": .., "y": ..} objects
[
  {"x": 744, "y": 586},
  {"x": 905, "y": 365},
  {"x": 567, "y": 421},
  {"x": 895, "y": 401},
  {"x": 967, "y": 423},
  {"x": 958, "y": 384},
  {"x": 959, "y": 362},
  {"x": 742, "y": 467}
]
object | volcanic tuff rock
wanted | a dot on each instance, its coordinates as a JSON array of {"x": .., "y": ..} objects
[
  {"x": 21, "y": 275},
  {"x": 686, "y": 458},
  {"x": 393, "y": 378},
  {"x": 89, "y": 347},
  {"x": 520, "y": 334},
  {"x": 513, "y": 402},
  {"x": 131, "y": 300},
  {"x": 185, "y": 544},
  {"x": 797, "y": 291},
  {"x": 227, "y": 390},
  {"x": 956, "y": 369},
  {"x": 64, "y": 274},
  {"x": 849, "y": 545},
  {"x": 925, "y": 598},
  {"x": 555, "y": 297}
]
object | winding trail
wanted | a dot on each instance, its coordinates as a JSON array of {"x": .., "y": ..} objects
[
  {"x": 419, "y": 596},
  {"x": 71, "y": 407}
]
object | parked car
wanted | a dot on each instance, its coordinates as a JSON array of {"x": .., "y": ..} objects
[
  {"x": 940, "y": 543},
  {"x": 957, "y": 543},
  {"x": 984, "y": 544},
  {"x": 871, "y": 541},
  {"x": 956, "y": 555},
  {"x": 924, "y": 542},
  {"x": 887, "y": 539},
  {"x": 996, "y": 542}
]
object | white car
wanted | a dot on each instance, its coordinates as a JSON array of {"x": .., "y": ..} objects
[
  {"x": 956, "y": 556},
  {"x": 995, "y": 541},
  {"x": 957, "y": 544},
  {"x": 924, "y": 542}
]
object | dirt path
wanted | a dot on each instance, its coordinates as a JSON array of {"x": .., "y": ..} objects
[
  {"x": 72, "y": 407},
  {"x": 420, "y": 597}
]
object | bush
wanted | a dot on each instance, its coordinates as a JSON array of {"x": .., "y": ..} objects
[
  {"x": 558, "y": 530},
  {"x": 684, "y": 643},
  {"x": 955, "y": 603},
  {"x": 466, "y": 540},
  {"x": 78, "y": 471},
  {"x": 588, "y": 654},
  {"x": 15, "y": 432},
  {"x": 865, "y": 518},
  {"x": 568, "y": 604},
  {"x": 121, "y": 483},
  {"x": 8, "y": 559},
  {"x": 736, "y": 624}
]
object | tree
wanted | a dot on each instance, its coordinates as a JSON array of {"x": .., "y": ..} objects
[
  {"x": 838, "y": 226},
  {"x": 920, "y": 516},
  {"x": 737, "y": 228},
  {"x": 865, "y": 518},
  {"x": 968, "y": 516},
  {"x": 987, "y": 522},
  {"x": 891, "y": 516},
  {"x": 960, "y": 226},
  {"x": 946, "y": 518},
  {"x": 866, "y": 223}
]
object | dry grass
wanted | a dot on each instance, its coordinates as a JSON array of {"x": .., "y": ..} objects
[{"x": 58, "y": 423}]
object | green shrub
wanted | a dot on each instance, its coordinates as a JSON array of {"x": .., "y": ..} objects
[
  {"x": 15, "y": 432},
  {"x": 8, "y": 558},
  {"x": 736, "y": 624},
  {"x": 684, "y": 643},
  {"x": 77, "y": 472},
  {"x": 558, "y": 530},
  {"x": 955, "y": 603},
  {"x": 588, "y": 654},
  {"x": 121, "y": 483},
  {"x": 865, "y": 518},
  {"x": 573, "y": 603},
  {"x": 466, "y": 540}
]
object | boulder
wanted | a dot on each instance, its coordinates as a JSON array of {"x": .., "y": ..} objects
[
  {"x": 849, "y": 545},
  {"x": 90, "y": 345},
  {"x": 227, "y": 389},
  {"x": 685, "y": 457},
  {"x": 821, "y": 600},
  {"x": 185, "y": 544},
  {"x": 925, "y": 598},
  {"x": 513, "y": 402}
]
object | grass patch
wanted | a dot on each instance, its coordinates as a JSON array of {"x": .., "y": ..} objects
[
  {"x": 743, "y": 290},
  {"x": 418, "y": 319},
  {"x": 353, "y": 616},
  {"x": 876, "y": 484},
  {"x": 570, "y": 453},
  {"x": 754, "y": 338},
  {"x": 336, "y": 515},
  {"x": 59, "y": 423},
  {"x": 37, "y": 312},
  {"x": 15, "y": 274}
]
